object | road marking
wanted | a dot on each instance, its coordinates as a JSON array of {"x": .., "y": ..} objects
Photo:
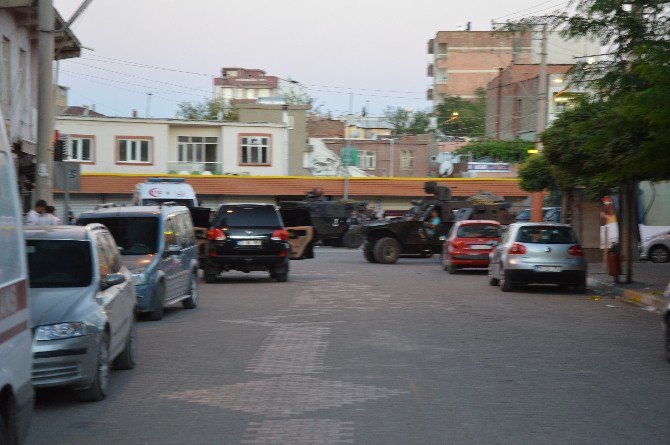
[
  {"x": 291, "y": 350},
  {"x": 299, "y": 432}
]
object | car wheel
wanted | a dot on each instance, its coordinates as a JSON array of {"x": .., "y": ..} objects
[
  {"x": 368, "y": 252},
  {"x": 659, "y": 254},
  {"x": 8, "y": 423},
  {"x": 280, "y": 274},
  {"x": 98, "y": 389},
  {"x": 451, "y": 269},
  {"x": 580, "y": 287},
  {"x": 157, "y": 304},
  {"x": 387, "y": 251},
  {"x": 505, "y": 282},
  {"x": 352, "y": 240},
  {"x": 192, "y": 301},
  {"x": 126, "y": 359},
  {"x": 210, "y": 274}
]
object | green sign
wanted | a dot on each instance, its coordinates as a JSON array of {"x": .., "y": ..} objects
[{"x": 349, "y": 156}]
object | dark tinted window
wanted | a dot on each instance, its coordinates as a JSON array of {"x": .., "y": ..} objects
[
  {"x": 133, "y": 236},
  {"x": 247, "y": 217},
  {"x": 156, "y": 202},
  {"x": 478, "y": 231},
  {"x": 545, "y": 235},
  {"x": 59, "y": 263}
]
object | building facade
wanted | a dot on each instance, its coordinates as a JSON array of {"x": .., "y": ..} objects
[
  {"x": 244, "y": 85},
  {"x": 172, "y": 146}
]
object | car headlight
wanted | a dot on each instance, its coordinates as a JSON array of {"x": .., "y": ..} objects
[
  {"x": 139, "y": 278},
  {"x": 60, "y": 331},
  {"x": 647, "y": 238}
]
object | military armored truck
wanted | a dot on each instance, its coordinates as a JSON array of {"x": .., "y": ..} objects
[
  {"x": 385, "y": 241},
  {"x": 331, "y": 218}
]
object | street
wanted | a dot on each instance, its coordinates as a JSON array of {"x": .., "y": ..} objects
[{"x": 352, "y": 352}]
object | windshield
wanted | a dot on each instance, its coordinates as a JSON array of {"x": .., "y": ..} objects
[
  {"x": 59, "y": 263},
  {"x": 157, "y": 202},
  {"x": 133, "y": 236},
  {"x": 546, "y": 235},
  {"x": 478, "y": 231},
  {"x": 248, "y": 217}
]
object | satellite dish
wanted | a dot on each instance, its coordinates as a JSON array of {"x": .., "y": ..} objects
[
  {"x": 443, "y": 157},
  {"x": 446, "y": 168}
]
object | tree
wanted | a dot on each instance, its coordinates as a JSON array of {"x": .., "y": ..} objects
[
  {"x": 208, "y": 109},
  {"x": 535, "y": 174},
  {"x": 495, "y": 150},
  {"x": 399, "y": 119},
  {"x": 621, "y": 134},
  {"x": 419, "y": 123},
  {"x": 461, "y": 117}
]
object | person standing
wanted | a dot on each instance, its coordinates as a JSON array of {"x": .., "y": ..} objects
[
  {"x": 36, "y": 216},
  {"x": 51, "y": 218}
]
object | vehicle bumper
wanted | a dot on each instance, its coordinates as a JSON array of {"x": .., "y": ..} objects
[
  {"x": 529, "y": 276},
  {"x": 66, "y": 362},
  {"x": 249, "y": 261},
  {"x": 24, "y": 410},
  {"x": 470, "y": 260},
  {"x": 144, "y": 293}
]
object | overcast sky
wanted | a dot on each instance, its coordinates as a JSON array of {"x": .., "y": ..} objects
[{"x": 373, "y": 48}]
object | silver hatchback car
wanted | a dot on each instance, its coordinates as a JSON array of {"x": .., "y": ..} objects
[
  {"x": 82, "y": 302},
  {"x": 538, "y": 253}
]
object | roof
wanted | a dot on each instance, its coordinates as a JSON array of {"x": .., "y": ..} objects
[
  {"x": 77, "y": 233},
  {"x": 99, "y": 183},
  {"x": 117, "y": 212},
  {"x": 80, "y": 111}
]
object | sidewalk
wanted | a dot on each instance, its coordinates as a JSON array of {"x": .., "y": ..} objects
[{"x": 650, "y": 280}]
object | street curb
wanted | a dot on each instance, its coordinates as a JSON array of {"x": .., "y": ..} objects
[{"x": 638, "y": 298}]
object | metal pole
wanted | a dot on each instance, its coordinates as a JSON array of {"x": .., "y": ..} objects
[
  {"x": 149, "y": 104},
  {"x": 536, "y": 197},
  {"x": 45, "y": 101}
]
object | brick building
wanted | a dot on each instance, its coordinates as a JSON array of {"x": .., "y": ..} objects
[{"x": 244, "y": 85}]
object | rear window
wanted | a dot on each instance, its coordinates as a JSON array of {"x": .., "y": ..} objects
[
  {"x": 545, "y": 235},
  {"x": 133, "y": 235},
  {"x": 247, "y": 217},
  {"x": 59, "y": 263},
  {"x": 478, "y": 231}
]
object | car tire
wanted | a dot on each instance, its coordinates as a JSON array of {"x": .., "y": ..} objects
[
  {"x": 659, "y": 254},
  {"x": 580, "y": 287},
  {"x": 368, "y": 252},
  {"x": 8, "y": 423},
  {"x": 387, "y": 250},
  {"x": 506, "y": 284},
  {"x": 157, "y": 304},
  {"x": 451, "y": 269},
  {"x": 126, "y": 359},
  {"x": 352, "y": 240},
  {"x": 280, "y": 274},
  {"x": 192, "y": 301},
  {"x": 98, "y": 389},
  {"x": 210, "y": 274}
]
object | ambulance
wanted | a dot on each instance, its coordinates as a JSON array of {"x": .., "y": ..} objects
[
  {"x": 16, "y": 392},
  {"x": 156, "y": 191}
]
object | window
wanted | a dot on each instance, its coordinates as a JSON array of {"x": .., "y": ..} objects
[
  {"x": 135, "y": 150},
  {"x": 406, "y": 159},
  {"x": 255, "y": 150},
  {"x": 5, "y": 75},
  {"x": 367, "y": 160},
  {"x": 59, "y": 263},
  {"x": 196, "y": 149},
  {"x": 81, "y": 149}
]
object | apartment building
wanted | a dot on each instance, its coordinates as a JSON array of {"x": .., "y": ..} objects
[
  {"x": 463, "y": 61},
  {"x": 245, "y": 85}
]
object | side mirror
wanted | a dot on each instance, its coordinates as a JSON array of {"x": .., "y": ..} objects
[
  {"x": 112, "y": 279},
  {"x": 172, "y": 250},
  {"x": 443, "y": 238}
]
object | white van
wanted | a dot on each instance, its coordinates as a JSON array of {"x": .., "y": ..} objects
[
  {"x": 159, "y": 190},
  {"x": 16, "y": 392}
]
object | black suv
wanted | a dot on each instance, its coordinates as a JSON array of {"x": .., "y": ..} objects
[{"x": 248, "y": 237}]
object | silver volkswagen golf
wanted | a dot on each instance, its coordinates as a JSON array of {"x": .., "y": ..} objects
[
  {"x": 82, "y": 306},
  {"x": 538, "y": 253}
]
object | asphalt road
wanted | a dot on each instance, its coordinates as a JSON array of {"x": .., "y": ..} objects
[{"x": 350, "y": 352}]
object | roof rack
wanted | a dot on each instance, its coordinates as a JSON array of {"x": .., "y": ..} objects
[{"x": 172, "y": 180}]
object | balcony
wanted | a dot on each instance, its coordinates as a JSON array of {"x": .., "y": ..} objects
[
  {"x": 194, "y": 168},
  {"x": 429, "y": 71},
  {"x": 431, "y": 44},
  {"x": 429, "y": 94}
]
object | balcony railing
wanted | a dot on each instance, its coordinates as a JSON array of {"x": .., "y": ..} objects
[{"x": 194, "y": 168}]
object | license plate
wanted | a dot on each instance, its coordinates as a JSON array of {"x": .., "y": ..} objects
[
  {"x": 252, "y": 242},
  {"x": 479, "y": 247},
  {"x": 547, "y": 268}
]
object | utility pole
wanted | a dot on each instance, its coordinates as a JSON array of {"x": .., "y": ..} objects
[
  {"x": 536, "y": 197},
  {"x": 149, "y": 104},
  {"x": 45, "y": 101}
]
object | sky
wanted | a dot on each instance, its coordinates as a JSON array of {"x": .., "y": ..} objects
[{"x": 370, "y": 52}]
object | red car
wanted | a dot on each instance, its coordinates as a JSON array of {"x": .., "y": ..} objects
[{"x": 469, "y": 244}]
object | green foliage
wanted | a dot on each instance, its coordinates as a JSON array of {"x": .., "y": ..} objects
[
  {"x": 470, "y": 119},
  {"x": 419, "y": 123},
  {"x": 208, "y": 109},
  {"x": 399, "y": 119},
  {"x": 499, "y": 151},
  {"x": 535, "y": 174}
]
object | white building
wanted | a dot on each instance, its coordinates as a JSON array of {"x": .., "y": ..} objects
[
  {"x": 240, "y": 85},
  {"x": 162, "y": 146}
]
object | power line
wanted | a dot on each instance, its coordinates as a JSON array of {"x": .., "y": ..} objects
[{"x": 522, "y": 10}]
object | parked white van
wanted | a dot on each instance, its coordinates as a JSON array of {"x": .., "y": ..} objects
[
  {"x": 16, "y": 392},
  {"x": 156, "y": 191}
]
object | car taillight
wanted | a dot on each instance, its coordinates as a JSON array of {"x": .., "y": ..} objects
[
  {"x": 459, "y": 245},
  {"x": 517, "y": 249},
  {"x": 280, "y": 235},
  {"x": 576, "y": 250},
  {"x": 216, "y": 235}
]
